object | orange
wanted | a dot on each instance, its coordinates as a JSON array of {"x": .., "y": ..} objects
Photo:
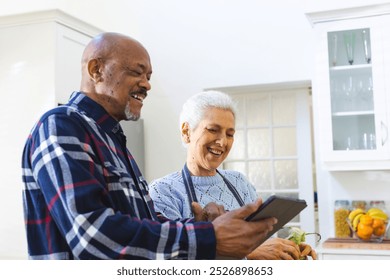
[
  {"x": 379, "y": 231},
  {"x": 366, "y": 220},
  {"x": 376, "y": 223},
  {"x": 364, "y": 231},
  {"x": 364, "y": 237}
]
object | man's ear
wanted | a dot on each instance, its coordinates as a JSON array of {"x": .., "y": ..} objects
[
  {"x": 94, "y": 70},
  {"x": 185, "y": 132}
]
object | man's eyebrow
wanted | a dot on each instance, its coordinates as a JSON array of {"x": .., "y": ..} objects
[
  {"x": 144, "y": 67},
  {"x": 131, "y": 68},
  {"x": 140, "y": 65}
]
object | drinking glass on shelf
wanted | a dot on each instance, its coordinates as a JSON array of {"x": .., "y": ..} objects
[
  {"x": 337, "y": 96},
  {"x": 349, "y": 144},
  {"x": 349, "y": 94},
  {"x": 349, "y": 42},
  {"x": 343, "y": 97},
  {"x": 371, "y": 141},
  {"x": 368, "y": 141},
  {"x": 334, "y": 49},
  {"x": 360, "y": 94},
  {"x": 369, "y": 94},
  {"x": 366, "y": 46},
  {"x": 370, "y": 86},
  {"x": 365, "y": 141}
]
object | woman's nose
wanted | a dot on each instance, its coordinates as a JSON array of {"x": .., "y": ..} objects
[{"x": 222, "y": 140}]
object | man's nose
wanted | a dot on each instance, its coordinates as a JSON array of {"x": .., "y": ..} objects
[{"x": 145, "y": 83}]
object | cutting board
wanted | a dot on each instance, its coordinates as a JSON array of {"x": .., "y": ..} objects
[{"x": 352, "y": 243}]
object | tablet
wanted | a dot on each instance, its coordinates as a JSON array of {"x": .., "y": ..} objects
[{"x": 282, "y": 208}]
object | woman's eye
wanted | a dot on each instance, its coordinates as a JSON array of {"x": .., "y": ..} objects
[{"x": 212, "y": 130}]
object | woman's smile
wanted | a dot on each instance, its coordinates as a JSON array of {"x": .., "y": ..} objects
[{"x": 215, "y": 152}]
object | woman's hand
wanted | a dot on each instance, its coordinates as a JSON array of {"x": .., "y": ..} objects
[
  {"x": 306, "y": 251},
  {"x": 276, "y": 249},
  {"x": 208, "y": 213}
]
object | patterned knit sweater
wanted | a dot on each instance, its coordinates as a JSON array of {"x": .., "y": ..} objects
[{"x": 170, "y": 197}]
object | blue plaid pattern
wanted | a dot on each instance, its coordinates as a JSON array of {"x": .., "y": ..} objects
[{"x": 85, "y": 198}]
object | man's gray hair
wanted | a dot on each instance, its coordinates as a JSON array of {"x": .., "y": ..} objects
[{"x": 194, "y": 108}]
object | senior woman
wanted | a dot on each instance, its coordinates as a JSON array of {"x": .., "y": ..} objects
[{"x": 207, "y": 124}]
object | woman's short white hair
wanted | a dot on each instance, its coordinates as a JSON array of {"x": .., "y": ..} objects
[{"x": 194, "y": 108}]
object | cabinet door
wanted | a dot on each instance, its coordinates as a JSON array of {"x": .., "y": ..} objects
[
  {"x": 350, "y": 95},
  {"x": 70, "y": 45}
]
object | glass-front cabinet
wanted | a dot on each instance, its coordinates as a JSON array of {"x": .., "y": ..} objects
[
  {"x": 351, "y": 94},
  {"x": 351, "y": 109},
  {"x": 351, "y": 90}
]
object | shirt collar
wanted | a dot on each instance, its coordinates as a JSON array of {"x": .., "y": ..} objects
[{"x": 95, "y": 111}]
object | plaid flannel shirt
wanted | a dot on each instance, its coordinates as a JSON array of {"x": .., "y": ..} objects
[{"x": 85, "y": 198}]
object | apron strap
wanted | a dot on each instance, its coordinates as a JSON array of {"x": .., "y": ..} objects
[
  {"x": 189, "y": 185},
  {"x": 191, "y": 190},
  {"x": 232, "y": 189}
]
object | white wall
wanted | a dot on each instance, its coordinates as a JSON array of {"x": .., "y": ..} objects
[
  {"x": 201, "y": 44},
  {"x": 218, "y": 44},
  {"x": 194, "y": 44}
]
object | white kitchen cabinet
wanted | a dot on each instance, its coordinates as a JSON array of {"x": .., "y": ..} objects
[
  {"x": 351, "y": 86},
  {"x": 352, "y": 254},
  {"x": 40, "y": 56},
  {"x": 351, "y": 100},
  {"x": 70, "y": 45}
]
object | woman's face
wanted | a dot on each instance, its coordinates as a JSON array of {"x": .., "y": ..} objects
[{"x": 210, "y": 143}]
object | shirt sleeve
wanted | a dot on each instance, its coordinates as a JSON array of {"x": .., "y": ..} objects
[{"x": 68, "y": 170}]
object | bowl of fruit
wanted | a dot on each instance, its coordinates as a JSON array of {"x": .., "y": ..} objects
[{"x": 370, "y": 225}]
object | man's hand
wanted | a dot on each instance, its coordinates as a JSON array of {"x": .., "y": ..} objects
[
  {"x": 236, "y": 237},
  {"x": 276, "y": 249}
]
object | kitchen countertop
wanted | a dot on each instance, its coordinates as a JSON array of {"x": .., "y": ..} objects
[
  {"x": 352, "y": 243},
  {"x": 350, "y": 249}
]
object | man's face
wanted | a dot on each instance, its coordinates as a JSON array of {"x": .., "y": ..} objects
[
  {"x": 126, "y": 82},
  {"x": 210, "y": 142}
]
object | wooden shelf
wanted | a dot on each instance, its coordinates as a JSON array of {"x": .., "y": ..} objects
[{"x": 352, "y": 243}]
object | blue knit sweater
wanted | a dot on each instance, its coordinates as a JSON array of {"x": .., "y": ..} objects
[{"x": 170, "y": 197}]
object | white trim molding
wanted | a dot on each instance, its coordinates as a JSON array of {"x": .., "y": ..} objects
[
  {"x": 49, "y": 16},
  {"x": 348, "y": 13}
]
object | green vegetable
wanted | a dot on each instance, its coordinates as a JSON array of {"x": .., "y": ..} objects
[{"x": 298, "y": 236}]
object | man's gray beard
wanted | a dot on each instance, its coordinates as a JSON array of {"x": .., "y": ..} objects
[{"x": 130, "y": 116}]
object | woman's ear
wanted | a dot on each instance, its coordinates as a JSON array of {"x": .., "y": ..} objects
[
  {"x": 94, "y": 70},
  {"x": 185, "y": 132}
]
